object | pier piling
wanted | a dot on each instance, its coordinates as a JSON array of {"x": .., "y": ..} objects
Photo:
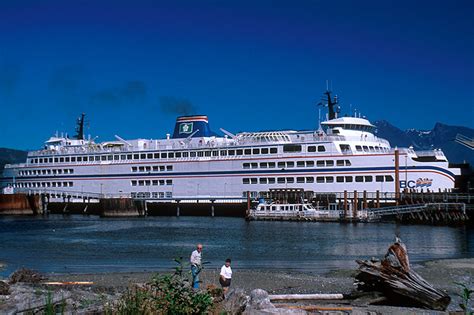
[
  {"x": 397, "y": 176},
  {"x": 345, "y": 204},
  {"x": 355, "y": 204},
  {"x": 364, "y": 205}
]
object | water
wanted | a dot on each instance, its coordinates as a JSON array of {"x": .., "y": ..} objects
[{"x": 81, "y": 244}]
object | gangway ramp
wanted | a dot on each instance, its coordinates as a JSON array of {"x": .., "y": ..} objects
[
  {"x": 465, "y": 141},
  {"x": 424, "y": 212}
]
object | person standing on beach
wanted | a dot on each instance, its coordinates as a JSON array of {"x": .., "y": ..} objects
[
  {"x": 225, "y": 276},
  {"x": 196, "y": 265}
]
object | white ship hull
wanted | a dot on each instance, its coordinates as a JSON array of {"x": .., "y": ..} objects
[{"x": 228, "y": 177}]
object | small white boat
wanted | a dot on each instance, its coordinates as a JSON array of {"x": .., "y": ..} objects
[{"x": 291, "y": 211}]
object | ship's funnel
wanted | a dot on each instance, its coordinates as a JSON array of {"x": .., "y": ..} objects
[{"x": 188, "y": 125}]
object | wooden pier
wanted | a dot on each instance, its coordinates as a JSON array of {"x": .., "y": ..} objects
[{"x": 433, "y": 213}]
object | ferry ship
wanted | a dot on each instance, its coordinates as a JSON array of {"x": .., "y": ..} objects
[{"x": 344, "y": 153}]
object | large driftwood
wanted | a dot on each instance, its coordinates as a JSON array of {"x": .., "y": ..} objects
[
  {"x": 317, "y": 296},
  {"x": 395, "y": 279}
]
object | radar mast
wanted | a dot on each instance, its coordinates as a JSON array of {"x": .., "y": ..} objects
[{"x": 80, "y": 127}]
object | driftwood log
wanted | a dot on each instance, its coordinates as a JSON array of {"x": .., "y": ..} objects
[
  {"x": 317, "y": 296},
  {"x": 394, "y": 278}
]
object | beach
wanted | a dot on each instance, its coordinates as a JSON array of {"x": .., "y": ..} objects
[{"x": 442, "y": 274}]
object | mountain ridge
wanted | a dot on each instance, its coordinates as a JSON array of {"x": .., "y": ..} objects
[
  {"x": 441, "y": 136},
  {"x": 9, "y": 156}
]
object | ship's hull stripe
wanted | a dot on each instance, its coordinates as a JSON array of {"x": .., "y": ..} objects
[
  {"x": 155, "y": 176},
  {"x": 259, "y": 172}
]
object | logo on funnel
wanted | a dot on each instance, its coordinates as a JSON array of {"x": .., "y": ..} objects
[{"x": 186, "y": 128}]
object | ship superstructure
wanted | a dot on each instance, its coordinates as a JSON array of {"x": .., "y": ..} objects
[{"x": 343, "y": 154}]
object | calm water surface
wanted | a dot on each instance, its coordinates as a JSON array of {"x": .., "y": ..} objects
[{"x": 91, "y": 244}]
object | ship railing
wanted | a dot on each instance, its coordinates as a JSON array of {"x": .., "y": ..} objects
[
  {"x": 409, "y": 196},
  {"x": 57, "y": 193},
  {"x": 370, "y": 195},
  {"x": 183, "y": 145},
  {"x": 74, "y": 195},
  {"x": 402, "y": 151},
  {"x": 322, "y": 138},
  {"x": 175, "y": 145},
  {"x": 435, "y": 152},
  {"x": 348, "y": 138},
  {"x": 314, "y": 137},
  {"x": 245, "y": 141}
]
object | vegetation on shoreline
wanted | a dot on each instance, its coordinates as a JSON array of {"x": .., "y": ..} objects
[
  {"x": 165, "y": 294},
  {"x": 172, "y": 293}
]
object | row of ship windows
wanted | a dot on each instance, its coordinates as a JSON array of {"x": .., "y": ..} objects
[
  {"x": 318, "y": 179},
  {"x": 149, "y": 156},
  {"x": 154, "y": 168},
  {"x": 58, "y": 171},
  {"x": 282, "y": 208},
  {"x": 369, "y": 148},
  {"x": 43, "y": 184},
  {"x": 157, "y": 182},
  {"x": 290, "y": 164},
  {"x": 171, "y": 155},
  {"x": 154, "y": 194}
]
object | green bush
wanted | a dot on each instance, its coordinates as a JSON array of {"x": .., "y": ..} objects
[
  {"x": 174, "y": 295},
  {"x": 165, "y": 294}
]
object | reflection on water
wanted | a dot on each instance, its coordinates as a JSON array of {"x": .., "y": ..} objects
[{"x": 92, "y": 244}]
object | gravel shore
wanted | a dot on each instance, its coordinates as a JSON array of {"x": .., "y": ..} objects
[
  {"x": 441, "y": 274},
  {"x": 275, "y": 282}
]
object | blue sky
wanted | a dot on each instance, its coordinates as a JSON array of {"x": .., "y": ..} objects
[{"x": 133, "y": 66}]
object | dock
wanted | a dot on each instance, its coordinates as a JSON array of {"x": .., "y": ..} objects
[{"x": 347, "y": 206}]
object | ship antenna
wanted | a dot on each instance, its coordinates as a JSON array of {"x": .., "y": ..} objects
[
  {"x": 319, "y": 119},
  {"x": 80, "y": 127},
  {"x": 331, "y": 103}
]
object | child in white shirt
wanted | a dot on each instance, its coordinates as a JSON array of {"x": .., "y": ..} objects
[{"x": 225, "y": 276}]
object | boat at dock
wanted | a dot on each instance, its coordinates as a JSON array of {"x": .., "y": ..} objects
[
  {"x": 343, "y": 154},
  {"x": 299, "y": 212},
  {"x": 302, "y": 211}
]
